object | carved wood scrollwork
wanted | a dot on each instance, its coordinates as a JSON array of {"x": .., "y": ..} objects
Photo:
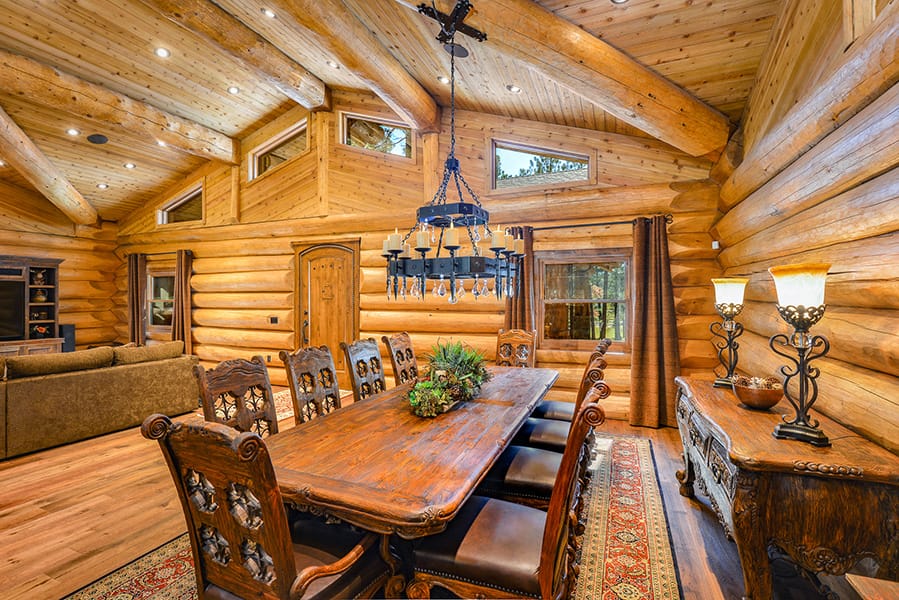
[
  {"x": 214, "y": 544},
  {"x": 201, "y": 491},
  {"x": 822, "y": 469},
  {"x": 820, "y": 558},
  {"x": 257, "y": 561},
  {"x": 245, "y": 507}
]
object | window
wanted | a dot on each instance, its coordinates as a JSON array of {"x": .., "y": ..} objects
[
  {"x": 517, "y": 166},
  {"x": 583, "y": 300},
  {"x": 160, "y": 299},
  {"x": 281, "y": 148},
  {"x": 377, "y": 135},
  {"x": 185, "y": 208}
]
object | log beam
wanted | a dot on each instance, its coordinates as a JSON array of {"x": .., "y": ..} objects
[
  {"x": 221, "y": 28},
  {"x": 40, "y": 83},
  {"x": 345, "y": 37},
  {"x": 26, "y": 158},
  {"x": 601, "y": 74},
  {"x": 866, "y": 70}
]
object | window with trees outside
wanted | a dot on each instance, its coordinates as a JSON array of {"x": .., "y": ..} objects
[
  {"x": 517, "y": 166},
  {"x": 291, "y": 142},
  {"x": 377, "y": 135},
  {"x": 160, "y": 299},
  {"x": 185, "y": 208},
  {"x": 582, "y": 299}
]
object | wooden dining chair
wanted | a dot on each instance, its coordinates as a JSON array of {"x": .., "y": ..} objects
[
  {"x": 238, "y": 393},
  {"x": 402, "y": 357},
  {"x": 564, "y": 411},
  {"x": 363, "y": 363},
  {"x": 244, "y": 544},
  {"x": 499, "y": 549},
  {"x": 516, "y": 348},
  {"x": 552, "y": 434},
  {"x": 527, "y": 475},
  {"x": 312, "y": 379}
]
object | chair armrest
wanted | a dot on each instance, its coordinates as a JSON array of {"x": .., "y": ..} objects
[{"x": 310, "y": 574}]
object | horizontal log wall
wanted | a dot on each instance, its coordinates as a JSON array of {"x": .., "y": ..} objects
[
  {"x": 834, "y": 201},
  {"x": 244, "y": 272},
  {"x": 31, "y": 226}
]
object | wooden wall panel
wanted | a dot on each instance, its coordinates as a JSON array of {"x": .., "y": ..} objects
[
  {"x": 837, "y": 203},
  {"x": 86, "y": 276}
]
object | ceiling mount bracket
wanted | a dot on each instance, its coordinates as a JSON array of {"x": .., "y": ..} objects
[{"x": 453, "y": 22}]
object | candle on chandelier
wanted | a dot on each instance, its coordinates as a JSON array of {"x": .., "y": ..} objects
[
  {"x": 498, "y": 240},
  {"x": 422, "y": 239},
  {"x": 510, "y": 242},
  {"x": 394, "y": 242},
  {"x": 450, "y": 236},
  {"x": 519, "y": 246}
]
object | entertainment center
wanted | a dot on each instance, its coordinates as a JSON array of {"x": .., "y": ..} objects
[{"x": 29, "y": 305}]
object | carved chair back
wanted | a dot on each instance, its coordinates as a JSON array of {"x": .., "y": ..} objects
[
  {"x": 402, "y": 357},
  {"x": 557, "y": 554},
  {"x": 236, "y": 520},
  {"x": 516, "y": 348},
  {"x": 313, "y": 382},
  {"x": 238, "y": 393},
  {"x": 594, "y": 374},
  {"x": 363, "y": 363}
]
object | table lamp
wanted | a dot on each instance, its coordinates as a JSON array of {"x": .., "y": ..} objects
[
  {"x": 800, "y": 302},
  {"x": 728, "y": 303}
]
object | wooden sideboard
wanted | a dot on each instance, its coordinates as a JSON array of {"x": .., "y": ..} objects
[
  {"x": 826, "y": 508},
  {"x": 21, "y": 347}
]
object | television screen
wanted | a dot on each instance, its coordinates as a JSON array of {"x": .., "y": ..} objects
[{"x": 12, "y": 310}]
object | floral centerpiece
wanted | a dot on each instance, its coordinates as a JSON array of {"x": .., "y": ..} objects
[{"x": 455, "y": 374}]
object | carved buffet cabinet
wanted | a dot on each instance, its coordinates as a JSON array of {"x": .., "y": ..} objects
[{"x": 826, "y": 508}]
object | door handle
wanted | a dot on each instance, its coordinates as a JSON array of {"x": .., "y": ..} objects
[{"x": 303, "y": 332}]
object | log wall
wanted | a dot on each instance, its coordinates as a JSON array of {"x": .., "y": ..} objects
[
  {"x": 244, "y": 265},
  {"x": 31, "y": 226},
  {"x": 834, "y": 199}
]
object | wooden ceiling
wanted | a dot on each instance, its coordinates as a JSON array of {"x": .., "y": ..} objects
[{"x": 563, "y": 54}]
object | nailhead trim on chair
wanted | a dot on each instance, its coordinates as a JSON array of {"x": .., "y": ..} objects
[{"x": 475, "y": 582}]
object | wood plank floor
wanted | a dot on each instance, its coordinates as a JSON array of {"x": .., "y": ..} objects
[{"x": 72, "y": 514}]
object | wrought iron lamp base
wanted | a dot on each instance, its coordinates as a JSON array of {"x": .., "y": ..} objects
[
  {"x": 724, "y": 382},
  {"x": 802, "y": 433}
]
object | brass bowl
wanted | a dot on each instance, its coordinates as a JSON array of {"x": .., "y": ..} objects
[{"x": 758, "y": 398}]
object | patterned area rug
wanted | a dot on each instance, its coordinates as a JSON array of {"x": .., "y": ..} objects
[{"x": 626, "y": 551}]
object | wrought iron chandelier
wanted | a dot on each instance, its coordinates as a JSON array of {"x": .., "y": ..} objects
[{"x": 439, "y": 222}]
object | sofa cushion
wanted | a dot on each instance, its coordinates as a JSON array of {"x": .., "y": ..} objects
[
  {"x": 58, "y": 362},
  {"x": 138, "y": 354}
]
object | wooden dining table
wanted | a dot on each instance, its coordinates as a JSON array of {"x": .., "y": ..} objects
[{"x": 376, "y": 465}]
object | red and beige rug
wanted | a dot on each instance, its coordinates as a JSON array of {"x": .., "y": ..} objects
[{"x": 626, "y": 552}]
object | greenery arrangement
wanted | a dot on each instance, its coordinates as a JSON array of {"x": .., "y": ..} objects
[{"x": 455, "y": 374}]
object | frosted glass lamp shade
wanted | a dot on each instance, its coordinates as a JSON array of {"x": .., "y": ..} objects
[
  {"x": 800, "y": 284},
  {"x": 730, "y": 290}
]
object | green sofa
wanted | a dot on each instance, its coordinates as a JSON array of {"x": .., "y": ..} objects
[{"x": 48, "y": 400}]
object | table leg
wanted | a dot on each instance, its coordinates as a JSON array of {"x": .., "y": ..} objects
[
  {"x": 686, "y": 476},
  {"x": 751, "y": 539},
  {"x": 396, "y": 583}
]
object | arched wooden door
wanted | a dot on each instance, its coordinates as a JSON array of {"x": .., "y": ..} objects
[{"x": 328, "y": 296}]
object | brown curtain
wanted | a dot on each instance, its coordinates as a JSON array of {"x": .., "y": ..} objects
[
  {"x": 181, "y": 313},
  {"x": 137, "y": 298},
  {"x": 520, "y": 307},
  {"x": 654, "y": 355}
]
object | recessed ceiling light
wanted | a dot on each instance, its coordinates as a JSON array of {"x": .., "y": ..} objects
[
  {"x": 268, "y": 13},
  {"x": 160, "y": 143},
  {"x": 618, "y": 1},
  {"x": 333, "y": 64},
  {"x": 2, "y": 164},
  {"x": 513, "y": 88},
  {"x": 233, "y": 90},
  {"x": 163, "y": 52},
  {"x": 72, "y": 131},
  {"x": 102, "y": 186},
  {"x": 129, "y": 165},
  {"x": 443, "y": 79}
]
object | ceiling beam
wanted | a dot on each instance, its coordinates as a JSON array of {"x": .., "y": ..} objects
[
  {"x": 26, "y": 158},
  {"x": 601, "y": 74},
  {"x": 357, "y": 49},
  {"x": 42, "y": 84},
  {"x": 247, "y": 46}
]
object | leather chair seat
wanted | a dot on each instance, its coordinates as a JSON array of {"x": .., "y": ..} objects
[
  {"x": 523, "y": 472},
  {"x": 493, "y": 542},
  {"x": 555, "y": 410},
  {"x": 543, "y": 433}
]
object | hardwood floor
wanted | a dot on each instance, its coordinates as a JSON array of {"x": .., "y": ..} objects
[{"x": 69, "y": 515}]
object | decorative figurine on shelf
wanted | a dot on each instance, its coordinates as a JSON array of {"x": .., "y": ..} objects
[
  {"x": 37, "y": 277},
  {"x": 40, "y": 331},
  {"x": 39, "y": 295}
]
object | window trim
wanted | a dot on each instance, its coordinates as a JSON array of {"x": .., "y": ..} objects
[
  {"x": 273, "y": 142},
  {"x": 582, "y": 153},
  {"x": 151, "y": 274},
  {"x": 341, "y": 135},
  {"x": 586, "y": 255},
  {"x": 180, "y": 199}
]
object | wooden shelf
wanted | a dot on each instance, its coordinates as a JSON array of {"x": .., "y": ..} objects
[{"x": 41, "y": 294}]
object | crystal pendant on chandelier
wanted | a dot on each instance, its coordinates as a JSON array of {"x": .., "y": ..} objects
[{"x": 442, "y": 223}]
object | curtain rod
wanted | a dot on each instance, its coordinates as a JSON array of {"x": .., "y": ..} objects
[{"x": 669, "y": 219}]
